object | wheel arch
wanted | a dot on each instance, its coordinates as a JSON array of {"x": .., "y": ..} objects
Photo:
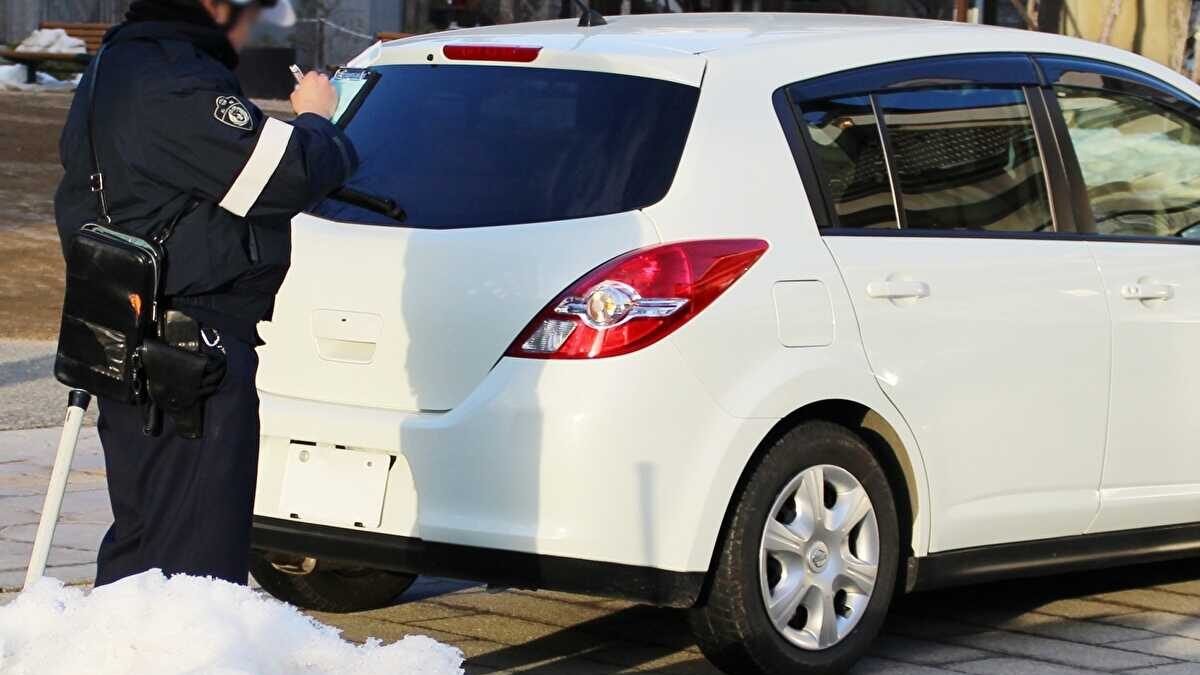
[{"x": 902, "y": 467}]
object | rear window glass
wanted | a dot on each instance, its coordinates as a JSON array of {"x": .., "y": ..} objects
[{"x": 472, "y": 146}]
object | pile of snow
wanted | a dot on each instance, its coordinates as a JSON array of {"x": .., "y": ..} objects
[
  {"x": 13, "y": 77},
  {"x": 152, "y": 624},
  {"x": 53, "y": 41}
]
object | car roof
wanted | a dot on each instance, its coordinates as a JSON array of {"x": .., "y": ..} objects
[
  {"x": 788, "y": 46},
  {"x": 703, "y": 32}
]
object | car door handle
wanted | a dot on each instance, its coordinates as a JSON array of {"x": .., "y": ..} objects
[
  {"x": 897, "y": 290},
  {"x": 1147, "y": 292}
]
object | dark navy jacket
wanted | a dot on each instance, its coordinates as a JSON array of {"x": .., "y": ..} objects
[{"x": 173, "y": 128}]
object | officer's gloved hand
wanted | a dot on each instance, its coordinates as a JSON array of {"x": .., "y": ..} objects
[{"x": 214, "y": 374}]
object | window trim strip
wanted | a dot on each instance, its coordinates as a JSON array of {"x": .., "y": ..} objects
[
  {"x": 889, "y": 163},
  {"x": 1013, "y": 69},
  {"x": 1053, "y": 167},
  {"x": 1005, "y": 234},
  {"x": 1081, "y": 208},
  {"x": 1056, "y": 68}
]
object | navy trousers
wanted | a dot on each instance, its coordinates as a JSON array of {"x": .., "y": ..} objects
[{"x": 184, "y": 506}]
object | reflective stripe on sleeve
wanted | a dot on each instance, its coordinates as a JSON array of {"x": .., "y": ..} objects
[{"x": 267, "y": 155}]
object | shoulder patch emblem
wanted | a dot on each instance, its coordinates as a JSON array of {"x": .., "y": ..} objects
[{"x": 231, "y": 111}]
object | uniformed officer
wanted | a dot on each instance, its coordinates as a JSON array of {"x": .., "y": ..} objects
[{"x": 174, "y": 129}]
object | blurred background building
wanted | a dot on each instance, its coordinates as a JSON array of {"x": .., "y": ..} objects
[{"x": 332, "y": 31}]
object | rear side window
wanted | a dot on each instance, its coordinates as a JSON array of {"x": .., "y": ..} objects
[
  {"x": 967, "y": 159},
  {"x": 961, "y": 158},
  {"x": 471, "y": 146},
  {"x": 849, "y": 151},
  {"x": 1140, "y": 163}
]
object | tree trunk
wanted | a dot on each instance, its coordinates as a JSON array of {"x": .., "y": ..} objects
[
  {"x": 960, "y": 11},
  {"x": 411, "y": 23},
  {"x": 1180, "y": 17},
  {"x": 1110, "y": 21}
]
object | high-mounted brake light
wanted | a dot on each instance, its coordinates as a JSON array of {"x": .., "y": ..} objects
[
  {"x": 636, "y": 299},
  {"x": 510, "y": 53}
]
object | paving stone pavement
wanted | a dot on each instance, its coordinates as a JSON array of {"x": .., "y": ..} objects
[
  {"x": 26, "y": 457},
  {"x": 1141, "y": 620},
  {"x": 1081, "y": 624},
  {"x": 30, "y": 397}
]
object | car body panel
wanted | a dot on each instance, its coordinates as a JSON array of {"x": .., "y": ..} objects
[
  {"x": 1001, "y": 371},
  {"x": 561, "y": 50},
  {"x": 734, "y": 135},
  {"x": 536, "y": 461},
  {"x": 413, "y": 319},
  {"x": 1152, "y": 466}
]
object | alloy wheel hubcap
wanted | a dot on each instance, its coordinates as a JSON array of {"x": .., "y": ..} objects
[{"x": 819, "y": 557}]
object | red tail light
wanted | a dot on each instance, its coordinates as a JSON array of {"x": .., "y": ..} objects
[
  {"x": 636, "y": 299},
  {"x": 510, "y": 53}
]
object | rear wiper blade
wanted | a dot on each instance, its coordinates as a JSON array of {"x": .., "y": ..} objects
[{"x": 370, "y": 202}]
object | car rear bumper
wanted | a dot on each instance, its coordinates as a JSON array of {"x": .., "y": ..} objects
[
  {"x": 626, "y": 461},
  {"x": 507, "y": 569}
]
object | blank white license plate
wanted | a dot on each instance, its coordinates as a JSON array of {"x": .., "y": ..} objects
[{"x": 334, "y": 486}]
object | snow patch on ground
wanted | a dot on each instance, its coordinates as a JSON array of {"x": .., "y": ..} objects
[
  {"x": 13, "y": 77},
  {"x": 188, "y": 625}
]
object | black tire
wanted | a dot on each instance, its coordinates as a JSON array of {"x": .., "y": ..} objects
[
  {"x": 732, "y": 627},
  {"x": 338, "y": 590}
]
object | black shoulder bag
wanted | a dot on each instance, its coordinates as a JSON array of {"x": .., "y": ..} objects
[{"x": 113, "y": 294}]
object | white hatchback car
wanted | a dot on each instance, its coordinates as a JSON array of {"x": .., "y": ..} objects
[{"x": 768, "y": 316}]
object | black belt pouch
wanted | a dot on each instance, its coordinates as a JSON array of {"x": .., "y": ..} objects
[
  {"x": 175, "y": 372},
  {"x": 174, "y": 376}
]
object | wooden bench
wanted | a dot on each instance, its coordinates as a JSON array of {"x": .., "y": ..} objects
[
  {"x": 388, "y": 37},
  {"x": 90, "y": 33}
]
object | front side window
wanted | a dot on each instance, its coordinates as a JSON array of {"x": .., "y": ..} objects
[
  {"x": 1140, "y": 163},
  {"x": 966, "y": 158},
  {"x": 849, "y": 155}
]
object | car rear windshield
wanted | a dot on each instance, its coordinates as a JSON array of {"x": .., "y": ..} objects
[{"x": 472, "y": 146}]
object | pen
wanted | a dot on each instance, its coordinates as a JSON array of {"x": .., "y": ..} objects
[{"x": 297, "y": 73}]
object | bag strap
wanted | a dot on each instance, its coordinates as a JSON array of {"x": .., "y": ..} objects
[
  {"x": 168, "y": 229},
  {"x": 97, "y": 178}
]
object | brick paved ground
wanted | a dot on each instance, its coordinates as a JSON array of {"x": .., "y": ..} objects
[
  {"x": 25, "y": 461},
  {"x": 1143, "y": 620}
]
